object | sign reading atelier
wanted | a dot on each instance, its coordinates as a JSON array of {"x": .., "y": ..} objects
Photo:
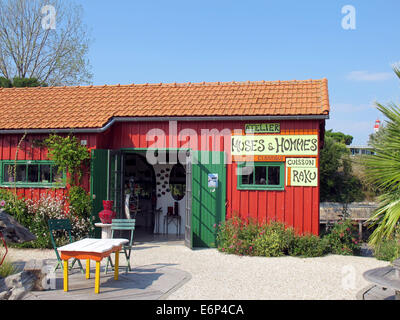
[
  {"x": 263, "y": 128},
  {"x": 305, "y": 145},
  {"x": 302, "y": 172}
]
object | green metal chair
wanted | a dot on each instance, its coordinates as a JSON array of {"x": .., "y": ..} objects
[
  {"x": 61, "y": 225},
  {"x": 123, "y": 225}
]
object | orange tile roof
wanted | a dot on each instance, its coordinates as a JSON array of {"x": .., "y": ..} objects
[{"x": 94, "y": 106}]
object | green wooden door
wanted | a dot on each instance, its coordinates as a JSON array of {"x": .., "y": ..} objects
[
  {"x": 208, "y": 204},
  {"x": 98, "y": 183},
  {"x": 115, "y": 181},
  {"x": 105, "y": 181}
]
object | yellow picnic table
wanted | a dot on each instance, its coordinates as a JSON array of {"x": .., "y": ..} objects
[{"x": 91, "y": 249}]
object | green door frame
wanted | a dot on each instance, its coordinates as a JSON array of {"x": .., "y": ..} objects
[{"x": 215, "y": 201}]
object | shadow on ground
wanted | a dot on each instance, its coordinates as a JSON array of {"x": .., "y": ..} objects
[{"x": 149, "y": 282}]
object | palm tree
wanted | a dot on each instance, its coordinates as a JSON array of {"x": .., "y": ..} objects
[{"x": 383, "y": 170}]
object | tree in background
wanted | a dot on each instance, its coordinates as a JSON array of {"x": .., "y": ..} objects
[
  {"x": 384, "y": 171},
  {"x": 337, "y": 181},
  {"x": 340, "y": 137},
  {"x": 43, "y": 41},
  {"x": 21, "y": 83}
]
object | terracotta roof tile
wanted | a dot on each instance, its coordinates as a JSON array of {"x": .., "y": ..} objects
[{"x": 94, "y": 106}]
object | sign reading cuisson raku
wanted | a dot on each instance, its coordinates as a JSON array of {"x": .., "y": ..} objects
[{"x": 301, "y": 172}]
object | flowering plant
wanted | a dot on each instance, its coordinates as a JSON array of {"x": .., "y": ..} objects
[
  {"x": 343, "y": 238},
  {"x": 49, "y": 207}
]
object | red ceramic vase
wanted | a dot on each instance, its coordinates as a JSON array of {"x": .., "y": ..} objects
[{"x": 107, "y": 214}]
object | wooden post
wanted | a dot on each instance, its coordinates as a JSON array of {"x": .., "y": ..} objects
[
  {"x": 360, "y": 229},
  {"x": 65, "y": 275}
]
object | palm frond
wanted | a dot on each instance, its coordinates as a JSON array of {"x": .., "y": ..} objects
[
  {"x": 396, "y": 69},
  {"x": 384, "y": 171}
]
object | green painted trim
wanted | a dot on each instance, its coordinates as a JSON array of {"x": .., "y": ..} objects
[
  {"x": 32, "y": 185},
  {"x": 279, "y": 187},
  {"x": 145, "y": 149},
  {"x": 48, "y": 185}
]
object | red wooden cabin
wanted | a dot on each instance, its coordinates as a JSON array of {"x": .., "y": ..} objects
[{"x": 182, "y": 146}]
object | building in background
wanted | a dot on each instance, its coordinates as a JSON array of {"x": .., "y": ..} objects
[{"x": 360, "y": 150}]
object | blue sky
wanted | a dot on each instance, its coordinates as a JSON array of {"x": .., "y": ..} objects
[{"x": 182, "y": 41}]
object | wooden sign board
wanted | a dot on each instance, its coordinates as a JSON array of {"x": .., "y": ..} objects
[
  {"x": 258, "y": 158},
  {"x": 267, "y": 145},
  {"x": 301, "y": 162},
  {"x": 262, "y": 128},
  {"x": 301, "y": 172}
]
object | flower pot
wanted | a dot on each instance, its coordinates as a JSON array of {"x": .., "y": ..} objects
[{"x": 107, "y": 214}]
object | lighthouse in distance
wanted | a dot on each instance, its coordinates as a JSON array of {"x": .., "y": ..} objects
[{"x": 377, "y": 125}]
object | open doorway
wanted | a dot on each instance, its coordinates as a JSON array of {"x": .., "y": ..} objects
[
  {"x": 200, "y": 208},
  {"x": 155, "y": 195},
  {"x": 139, "y": 191}
]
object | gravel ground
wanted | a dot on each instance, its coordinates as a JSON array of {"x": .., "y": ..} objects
[{"x": 220, "y": 276}]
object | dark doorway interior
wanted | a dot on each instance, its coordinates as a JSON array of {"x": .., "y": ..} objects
[{"x": 140, "y": 184}]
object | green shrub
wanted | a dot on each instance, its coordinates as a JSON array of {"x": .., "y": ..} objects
[
  {"x": 80, "y": 202},
  {"x": 34, "y": 215},
  {"x": 48, "y": 207},
  {"x": 387, "y": 250},
  {"x": 40, "y": 211},
  {"x": 236, "y": 235},
  {"x": 14, "y": 206},
  {"x": 274, "y": 240},
  {"x": 244, "y": 237},
  {"x": 68, "y": 154},
  {"x": 342, "y": 238},
  {"x": 308, "y": 246}
]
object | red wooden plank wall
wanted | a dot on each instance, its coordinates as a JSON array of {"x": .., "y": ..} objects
[
  {"x": 295, "y": 206},
  {"x": 27, "y": 151}
]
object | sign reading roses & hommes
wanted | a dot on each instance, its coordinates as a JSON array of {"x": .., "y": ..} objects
[{"x": 306, "y": 145}]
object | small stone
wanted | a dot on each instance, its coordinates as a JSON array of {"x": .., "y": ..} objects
[
  {"x": 17, "y": 294},
  {"x": 13, "y": 231},
  {"x": 4, "y": 295},
  {"x": 15, "y": 286}
]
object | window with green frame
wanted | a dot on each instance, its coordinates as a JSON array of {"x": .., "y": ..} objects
[
  {"x": 31, "y": 173},
  {"x": 261, "y": 176}
]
